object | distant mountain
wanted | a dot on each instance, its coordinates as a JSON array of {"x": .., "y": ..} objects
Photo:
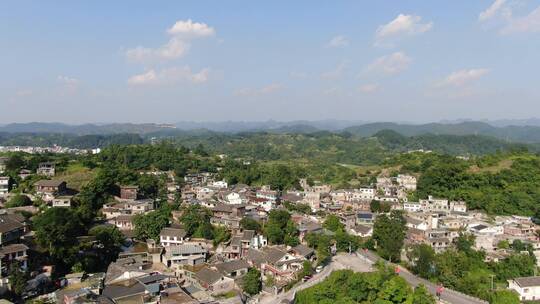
[
  {"x": 251, "y": 126},
  {"x": 526, "y": 134},
  {"x": 510, "y": 133},
  {"x": 85, "y": 129}
]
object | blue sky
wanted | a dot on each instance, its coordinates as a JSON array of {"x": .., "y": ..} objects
[{"x": 168, "y": 61}]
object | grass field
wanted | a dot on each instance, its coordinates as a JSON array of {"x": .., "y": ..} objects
[{"x": 76, "y": 175}]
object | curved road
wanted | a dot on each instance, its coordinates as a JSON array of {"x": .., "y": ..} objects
[{"x": 362, "y": 262}]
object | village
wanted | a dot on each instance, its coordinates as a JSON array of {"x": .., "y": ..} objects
[{"x": 175, "y": 268}]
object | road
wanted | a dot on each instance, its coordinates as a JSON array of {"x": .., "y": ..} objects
[
  {"x": 340, "y": 261},
  {"x": 362, "y": 262},
  {"x": 448, "y": 295}
]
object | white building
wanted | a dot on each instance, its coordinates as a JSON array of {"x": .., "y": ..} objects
[
  {"x": 406, "y": 181},
  {"x": 171, "y": 236},
  {"x": 412, "y": 206},
  {"x": 4, "y": 185},
  {"x": 220, "y": 184},
  {"x": 233, "y": 198},
  {"x": 528, "y": 288}
]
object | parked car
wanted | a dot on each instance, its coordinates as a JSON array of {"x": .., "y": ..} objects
[{"x": 318, "y": 269}]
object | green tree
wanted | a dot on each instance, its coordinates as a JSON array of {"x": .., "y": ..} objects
[
  {"x": 422, "y": 296},
  {"x": 221, "y": 234},
  {"x": 18, "y": 200},
  {"x": 333, "y": 223},
  {"x": 57, "y": 230},
  {"x": 149, "y": 225},
  {"x": 464, "y": 242},
  {"x": 17, "y": 278},
  {"x": 395, "y": 290},
  {"x": 275, "y": 229},
  {"x": 109, "y": 242},
  {"x": 248, "y": 223},
  {"x": 252, "y": 282},
  {"x": 504, "y": 297},
  {"x": 196, "y": 221},
  {"x": 307, "y": 268},
  {"x": 291, "y": 234},
  {"x": 423, "y": 260},
  {"x": 389, "y": 234}
]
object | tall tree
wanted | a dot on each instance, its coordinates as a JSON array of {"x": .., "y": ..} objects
[
  {"x": 252, "y": 282},
  {"x": 389, "y": 234}
]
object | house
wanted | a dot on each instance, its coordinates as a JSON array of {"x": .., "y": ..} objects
[
  {"x": 408, "y": 182},
  {"x": 275, "y": 261},
  {"x": 139, "y": 206},
  {"x": 303, "y": 252},
  {"x": 233, "y": 198},
  {"x": 420, "y": 224},
  {"x": 365, "y": 218},
  {"x": 435, "y": 205},
  {"x": 185, "y": 254},
  {"x": 12, "y": 228},
  {"x": 528, "y": 288},
  {"x": 347, "y": 219},
  {"x": 47, "y": 169},
  {"x": 47, "y": 187},
  {"x": 24, "y": 173},
  {"x": 362, "y": 230},
  {"x": 240, "y": 244},
  {"x": 458, "y": 207},
  {"x": 220, "y": 184},
  {"x": 11, "y": 253},
  {"x": 412, "y": 206},
  {"x": 127, "y": 291},
  {"x": 233, "y": 269},
  {"x": 213, "y": 281},
  {"x": 124, "y": 222},
  {"x": 4, "y": 185},
  {"x": 129, "y": 192},
  {"x": 62, "y": 201},
  {"x": 127, "y": 267},
  {"x": 228, "y": 215},
  {"x": 307, "y": 226},
  {"x": 3, "y": 162},
  {"x": 171, "y": 236}
]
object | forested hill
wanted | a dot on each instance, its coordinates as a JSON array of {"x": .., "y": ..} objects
[
  {"x": 525, "y": 134},
  {"x": 517, "y": 133},
  {"x": 323, "y": 145}
]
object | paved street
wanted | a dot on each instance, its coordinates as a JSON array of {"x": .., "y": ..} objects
[
  {"x": 362, "y": 262},
  {"x": 340, "y": 261},
  {"x": 449, "y": 296}
]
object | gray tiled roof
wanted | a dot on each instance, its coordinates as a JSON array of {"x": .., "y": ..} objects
[
  {"x": 177, "y": 232},
  {"x": 185, "y": 249},
  {"x": 228, "y": 267},
  {"x": 208, "y": 275},
  {"x": 528, "y": 281}
]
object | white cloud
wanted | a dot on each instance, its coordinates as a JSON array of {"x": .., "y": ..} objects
[
  {"x": 339, "y": 41},
  {"x": 178, "y": 45},
  {"x": 170, "y": 76},
  {"x": 402, "y": 25},
  {"x": 493, "y": 10},
  {"x": 462, "y": 77},
  {"x": 390, "y": 64},
  {"x": 336, "y": 72},
  {"x": 190, "y": 29},
  {"x": 175, "y": 48},
  {"x": 526, "y": 24},
  {"x": 67, "y": 80},
  {"x": 265, "y": 90},
  {"x": 369, "y": 88}
]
